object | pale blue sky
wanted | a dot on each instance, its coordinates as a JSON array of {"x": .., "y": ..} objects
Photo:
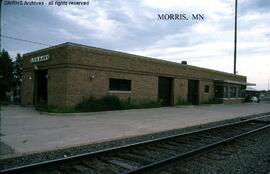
[{"x": 132, "y": 26}]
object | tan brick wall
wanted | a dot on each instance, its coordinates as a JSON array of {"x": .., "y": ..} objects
[
  {"x": 56, "y": 74},
  {"x": 58, "y": 56},
  {"x": 203, "y": 96},
  {"x": 57, "y": 82},
  {"x": 80, "y": 86},
  {"x": 103, "y": 59},
  {"x": 70, "y": 68},
  {"x": 27, "y": 88},
  {"x": 180, "y": 89}
]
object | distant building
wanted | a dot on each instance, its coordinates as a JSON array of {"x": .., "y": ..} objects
[
  {"x": 64, "y": 74},
  {"x": 260, "y": 94}
]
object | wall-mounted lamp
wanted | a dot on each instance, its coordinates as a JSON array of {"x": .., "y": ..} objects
[
  {"x": 92, "y": 77},
  {"x": 30, "y": 77},
  {"x": 35, "y": 67}
]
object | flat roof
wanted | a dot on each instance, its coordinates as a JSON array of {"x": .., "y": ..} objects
[
  {"x": 235, "y": 82},
  {"x": 127, "y": 54}
]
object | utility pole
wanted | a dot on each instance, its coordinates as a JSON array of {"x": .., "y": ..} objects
[
  {"x": 235, "y": 38},
  {"x": 0, "y": 24},
  {"x": 268, "y": 83}
]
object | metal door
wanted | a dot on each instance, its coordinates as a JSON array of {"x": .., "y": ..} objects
[
  {"x": 193, "y": 92},
  {"x": 165, "y": 91}
]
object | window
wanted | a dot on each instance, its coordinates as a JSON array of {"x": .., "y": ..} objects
[
  {"x": 206, "y": 89},
  {"x": 120, "y": 85},
  {"x": 237, "y": 93},
  {"x": 226, "y": 92},
  {"x": 232, "y": 92}
]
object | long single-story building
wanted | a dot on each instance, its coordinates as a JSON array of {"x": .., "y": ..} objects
[{"x": 65, "y": 74}]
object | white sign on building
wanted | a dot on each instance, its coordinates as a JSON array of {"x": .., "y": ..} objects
[{"x": 40, "y": 58}]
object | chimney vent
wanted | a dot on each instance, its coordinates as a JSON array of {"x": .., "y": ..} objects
[{"x": 184, "y": 62}]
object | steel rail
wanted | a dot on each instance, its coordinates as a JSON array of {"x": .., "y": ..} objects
[
  {"x": 190, "y": 154},
  {"x": 58, "y": 161}
]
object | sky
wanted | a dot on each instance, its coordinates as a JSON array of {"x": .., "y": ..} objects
[{"x": 133, "y": 26}]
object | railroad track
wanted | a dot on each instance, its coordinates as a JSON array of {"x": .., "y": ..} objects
[{"x": 149, "y": 155}]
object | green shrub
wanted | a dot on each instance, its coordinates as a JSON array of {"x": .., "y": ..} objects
[
  {"x": 126, "y": 104},
  {"x": 140, "y": 104},
  {"x": 90, "y": 104},
  {"x": 111, "y": 102},
  {"x": 4, "y": 101},
  {"x": 150, "y": 104},
  {"x": 103, "y": 104},
  {"x": 106, "y": 103}
]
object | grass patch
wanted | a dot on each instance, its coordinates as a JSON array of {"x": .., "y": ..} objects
[{"x": 103, "y": 104}]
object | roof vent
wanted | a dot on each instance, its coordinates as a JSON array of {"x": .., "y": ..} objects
[{"x": 184, "y": 62}]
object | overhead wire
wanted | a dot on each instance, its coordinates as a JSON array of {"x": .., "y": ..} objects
[{"x": 24, "y": 40}]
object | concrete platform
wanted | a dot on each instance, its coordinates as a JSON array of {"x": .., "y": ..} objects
[{"x": 25, "y": 130}]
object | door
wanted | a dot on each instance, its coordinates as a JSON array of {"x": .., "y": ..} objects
[
  {"x": 165, "y": 91},
  {"x": 41, "y": 94},
  {"x": 193, "y": 92}
]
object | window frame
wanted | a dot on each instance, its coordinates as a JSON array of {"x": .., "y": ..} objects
[
  {"x": 119, "y": 85},
  {"x": 233, "y": 92},
  {"x": 206, "y": 89}
]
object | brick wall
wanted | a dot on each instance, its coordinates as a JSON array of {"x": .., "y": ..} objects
[
  {"x": 27, "y": 88},
  {"x": 71, "y": 66}
]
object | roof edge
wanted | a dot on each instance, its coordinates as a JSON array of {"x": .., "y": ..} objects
[
  {"x": 48, "y": 48},
  {"x": 234, "y": 82},
  {"x": 128, "y": 54}
]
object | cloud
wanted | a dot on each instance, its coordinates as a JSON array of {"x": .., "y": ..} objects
[
  {"x": 66, "y": 34},
  {"x": 133, "y": 26},
  {"x": 170, "y": 5},
  {"x": 97, "y": 22},
  {"x": 248, "y": 6}
]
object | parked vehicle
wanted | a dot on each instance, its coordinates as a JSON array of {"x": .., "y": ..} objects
[{"x": 254, "y": 99}]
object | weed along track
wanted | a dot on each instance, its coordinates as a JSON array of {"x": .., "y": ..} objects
[{"x": 151, "y": 155}]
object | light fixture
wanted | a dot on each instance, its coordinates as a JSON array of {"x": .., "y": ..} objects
[
  {"x": 92, "y": 77},
  {"x": 35, "y": 67},
  {"x": 30, "y": 77}
]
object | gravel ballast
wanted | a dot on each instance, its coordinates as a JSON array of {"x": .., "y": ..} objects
[{"x": 247, "y": 155}]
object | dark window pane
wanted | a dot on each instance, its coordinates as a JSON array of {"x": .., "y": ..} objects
[
  {"x": 232, "y": 92},
  {"x": 226, "y": 92},
  {"x": 206, "y": 89},
  {"x": 120, "y": 85}
]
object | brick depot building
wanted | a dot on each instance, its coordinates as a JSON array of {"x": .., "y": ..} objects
[{"x": 63, "y": 75}]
